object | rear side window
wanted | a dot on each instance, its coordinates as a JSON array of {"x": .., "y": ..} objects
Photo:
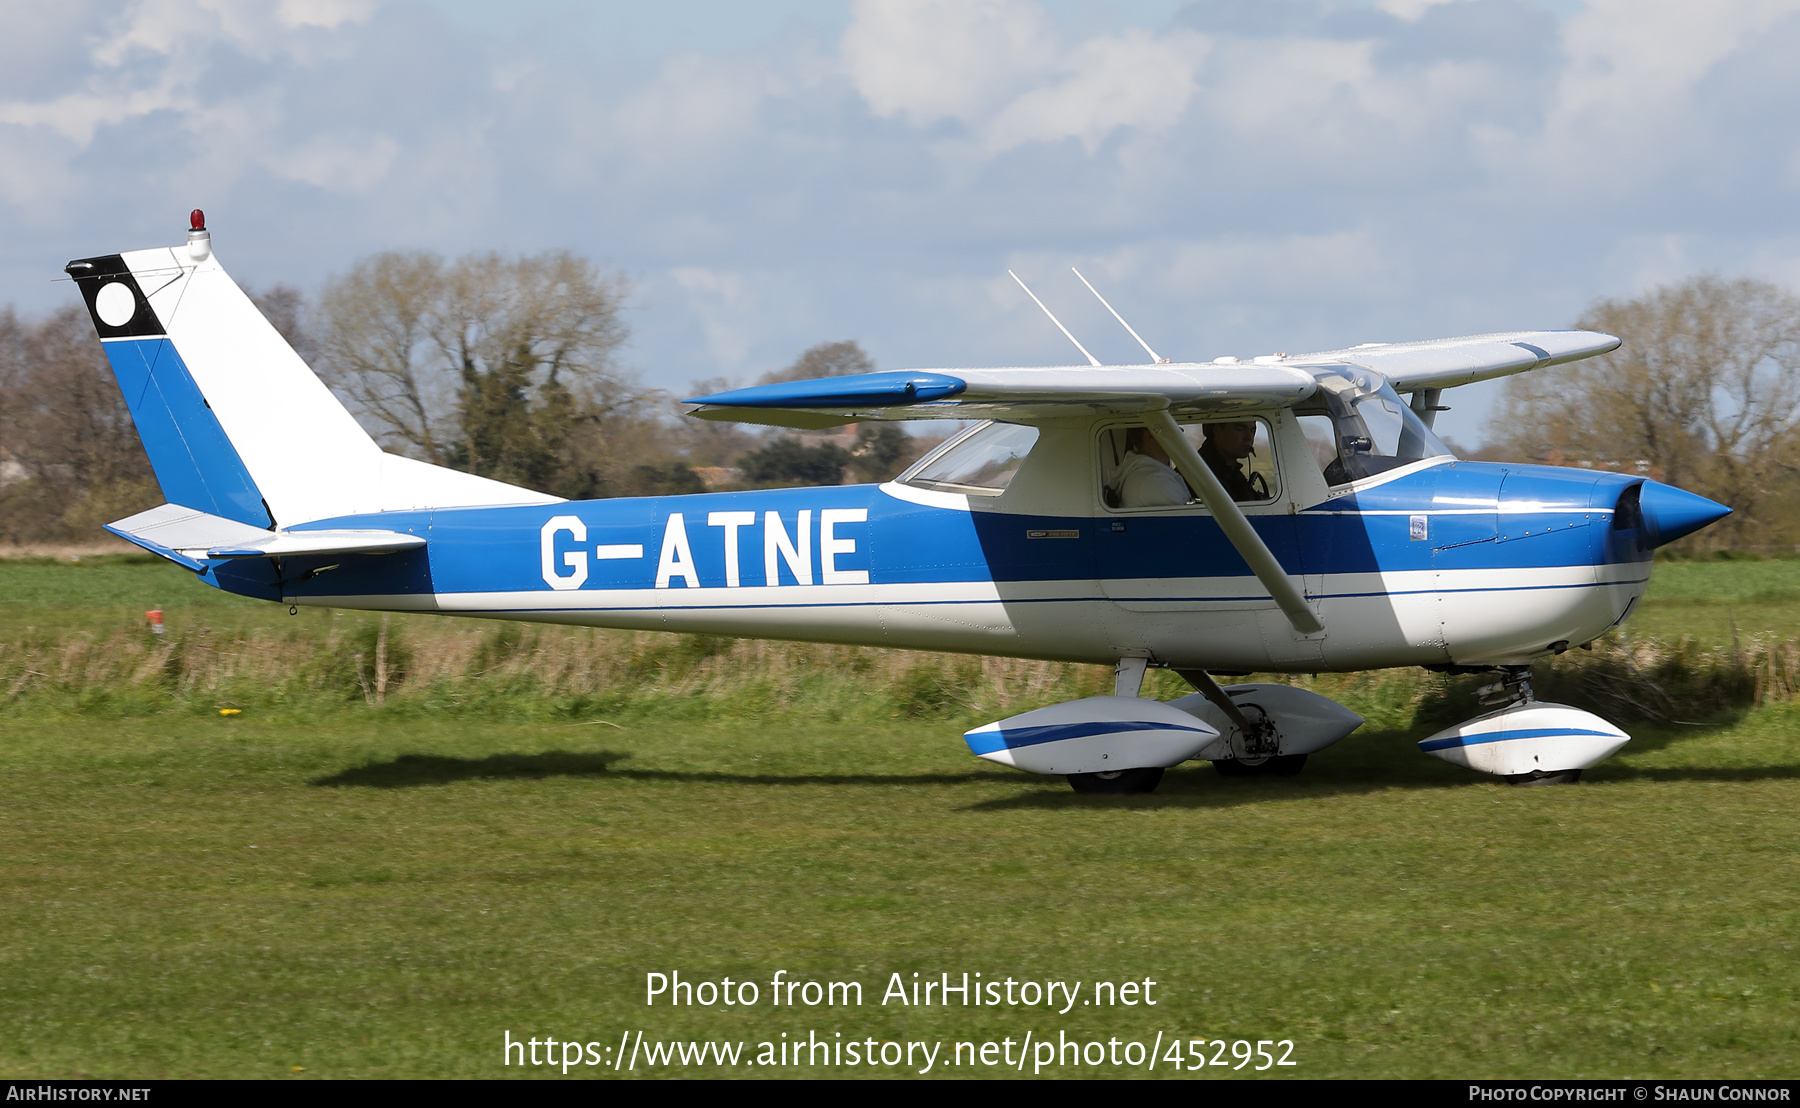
[{"x": 980, "y": 463}]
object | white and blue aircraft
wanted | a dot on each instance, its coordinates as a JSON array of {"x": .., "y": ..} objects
[{"x": 1359, "y": 541}]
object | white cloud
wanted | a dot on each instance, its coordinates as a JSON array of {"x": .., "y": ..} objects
[
  {"x": 340, "y": 164},
  {"x": 323, "y": 13},
  {"x": 150, "y": 57},
  {"x": 728, "y": 308},
  {"x": 926, "y": 60},
  {"x": 999, "y": 67},
  {"x": 1410, "y": 9},
  {"x": 1626, "y": 97},
  {"x": 1234, "y": 188},
  {"x": 1133, "y": 80}
]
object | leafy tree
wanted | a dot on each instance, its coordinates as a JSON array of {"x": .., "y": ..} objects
[
  {"x": 787, "y": 462},
  {"x": 882, "y": 450},
  {"x": 663, "y": 479},
  {"x": 1705, "y": 391}
]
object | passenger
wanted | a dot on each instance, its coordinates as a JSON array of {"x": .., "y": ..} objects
[
  {"x": 1228, "y": 446},
  {"x": 1145, "y": 477}
]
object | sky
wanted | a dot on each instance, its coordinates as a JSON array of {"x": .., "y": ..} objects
[{"x": 1237, "y": 176}]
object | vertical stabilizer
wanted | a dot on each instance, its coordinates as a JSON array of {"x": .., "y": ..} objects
[{"x": 234, "y": 422}]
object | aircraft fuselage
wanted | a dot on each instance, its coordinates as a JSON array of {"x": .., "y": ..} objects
[{"x": 1445, "y": 562}]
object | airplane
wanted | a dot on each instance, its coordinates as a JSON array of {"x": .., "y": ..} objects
[{"x": 1360, "y": 541}]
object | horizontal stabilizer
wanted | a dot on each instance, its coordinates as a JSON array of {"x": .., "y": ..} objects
[
  {"x": 284, "y": 544},
  {"x": 186, "y": 536}
]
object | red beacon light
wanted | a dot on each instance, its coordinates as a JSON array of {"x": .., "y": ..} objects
[{"x": 199, "y": 242}]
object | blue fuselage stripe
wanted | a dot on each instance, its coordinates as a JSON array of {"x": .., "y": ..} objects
[{"x": 861, "y": 535}]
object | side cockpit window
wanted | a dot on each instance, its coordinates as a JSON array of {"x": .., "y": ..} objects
[
  {"x": 1137, "y": 473},
  {"x": 980, "y": 462},
  {"x": 1358, "y": 426}
]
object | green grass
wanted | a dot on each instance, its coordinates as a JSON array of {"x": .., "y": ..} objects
[
  {"x": 368, "y": 897},
  {"x": 1708, "y": 599},
  {"x": 382, "y": 891}
]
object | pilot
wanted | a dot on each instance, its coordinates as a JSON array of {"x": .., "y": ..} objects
[
  {"x": 1228, "y": 446},
  {"x": 1146, "y": 479},
  {"x": 1145, "y": 475}
]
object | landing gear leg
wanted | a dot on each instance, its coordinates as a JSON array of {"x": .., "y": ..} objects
[
  {"x": 1514, "y": 687},
  {"x": 1255, "y": 740}
]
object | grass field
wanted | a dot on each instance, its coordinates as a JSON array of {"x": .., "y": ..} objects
[{"x": 335, "y": 883}]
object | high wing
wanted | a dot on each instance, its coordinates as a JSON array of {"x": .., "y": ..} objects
[
  {"x": 1021, "y": 393},
  {"x": 1446, "y": 363},
  {"x": 1190, "y": 389}
]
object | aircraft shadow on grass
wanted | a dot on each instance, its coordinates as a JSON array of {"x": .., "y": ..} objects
[
  {"x": 412, "y": 770},
  {"x": 1374, "y": 762},
  {"x": 1199, "y": 787}
]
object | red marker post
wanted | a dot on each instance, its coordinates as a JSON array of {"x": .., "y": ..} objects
[{"x": 154, "y": 618}]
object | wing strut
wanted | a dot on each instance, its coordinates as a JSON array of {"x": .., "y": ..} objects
[{"x": 1231, "y": 520}]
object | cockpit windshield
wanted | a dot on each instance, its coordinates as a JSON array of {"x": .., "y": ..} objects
[
  {"x": 1358, "y": 426},
  {"x": 980, "y": 462}
]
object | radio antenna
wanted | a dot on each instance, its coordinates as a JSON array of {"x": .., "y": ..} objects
[
  {"x": 1091, "y": 359},
  {"x": 1154, "y": 356}
]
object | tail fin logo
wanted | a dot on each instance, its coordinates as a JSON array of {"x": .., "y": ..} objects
[
  {"x": 114, "y": 304},
  {"x": 114, "y": 298}
]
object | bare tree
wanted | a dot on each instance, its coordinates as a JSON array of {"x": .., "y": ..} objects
[
  {"x": 828, "y": 359},
  {"x": 1704, "y": 391},
  {"x": 496, "y": 365},
  {"x": 376, "y": 327},
  {"x": 71, "y": 456},
  {"x": 284, "y": 306},
  {"x": 711, "y": 442}
]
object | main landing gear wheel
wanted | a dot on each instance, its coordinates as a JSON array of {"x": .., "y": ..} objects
[
  {"x": 1281, "y": 765},
  {"x": 1117, "y": 781},
  {"x": 1538, "y": 777}
]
